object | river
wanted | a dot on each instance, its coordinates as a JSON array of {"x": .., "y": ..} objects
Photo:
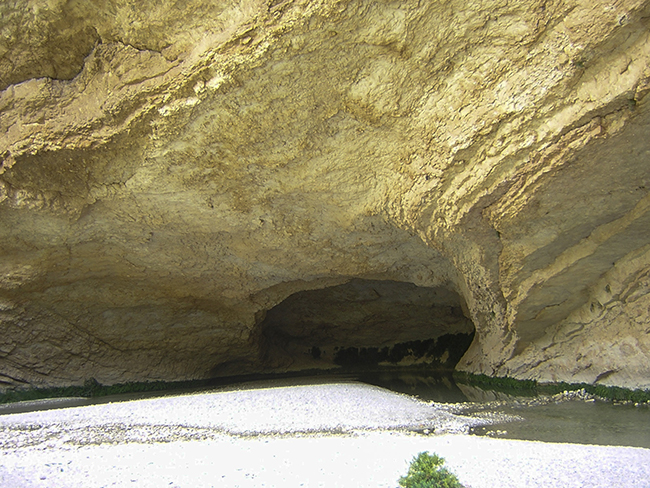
[{"x": 569, "y": 419}]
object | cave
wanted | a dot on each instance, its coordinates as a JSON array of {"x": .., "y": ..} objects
[
  {"x": 165, "y": 204},
  {"x": 366, "y": 324}
]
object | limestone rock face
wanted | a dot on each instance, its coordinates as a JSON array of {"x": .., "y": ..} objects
[{"x": 171, "y": 172}]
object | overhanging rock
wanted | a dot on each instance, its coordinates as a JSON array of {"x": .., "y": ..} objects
[{"x": 169, "y": 177}]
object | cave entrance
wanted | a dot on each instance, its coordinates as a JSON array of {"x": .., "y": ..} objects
[{"x": 366, "y": 324}]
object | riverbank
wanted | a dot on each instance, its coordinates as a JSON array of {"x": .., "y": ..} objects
[
  {"x": 344, "y": 434},
  {"x": 91, "y": 389}
]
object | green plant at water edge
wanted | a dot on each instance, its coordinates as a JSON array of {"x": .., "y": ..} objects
[
  {"x": 503, "y": 384},
  {"x": 92, "y": 388},
  {"x": 512, "y": 386},
  {"x": 427, "y": 471}
]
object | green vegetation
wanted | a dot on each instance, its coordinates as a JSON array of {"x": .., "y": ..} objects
[
  {"x": 503, "y": 384},
  {"x": 614, "y": 393},
  {"x": 450, "y": 346},
  {"x": 533, "y": 388},
  {"x": 427, "y": 471},
  {"x": 91, "y": 388}
]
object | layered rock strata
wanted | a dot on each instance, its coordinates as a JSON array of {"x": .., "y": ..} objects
[{"x": 170, "y": 174}]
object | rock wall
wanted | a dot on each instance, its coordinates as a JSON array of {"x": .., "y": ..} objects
[{"x": 171, "y": 173}]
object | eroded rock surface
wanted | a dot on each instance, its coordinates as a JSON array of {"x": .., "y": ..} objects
[{"x": 171, "y": 174}]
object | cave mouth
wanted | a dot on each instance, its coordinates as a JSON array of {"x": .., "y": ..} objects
[{"x": 366, "y": 324}]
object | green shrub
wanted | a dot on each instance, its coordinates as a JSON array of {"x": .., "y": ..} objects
[
  {"x": 427, "y": 471},
  {"x": 515, "y": 387}
]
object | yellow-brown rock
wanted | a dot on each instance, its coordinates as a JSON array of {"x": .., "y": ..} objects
[{"x": 170, "y": 172}]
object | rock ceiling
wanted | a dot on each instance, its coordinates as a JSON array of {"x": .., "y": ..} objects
[{"x": 171, "y": 171}]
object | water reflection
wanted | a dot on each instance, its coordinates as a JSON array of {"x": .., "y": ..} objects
[
  {"x": 549, "y": 419},
  {"x": 437, "y": 388},
  {"x": 576, "y": 421}
]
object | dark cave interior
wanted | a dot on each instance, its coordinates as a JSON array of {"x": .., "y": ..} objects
[{"x": 366, "y": 324}]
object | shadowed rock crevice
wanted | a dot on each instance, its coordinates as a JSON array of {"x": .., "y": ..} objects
[{"x": 366, "y": 323}]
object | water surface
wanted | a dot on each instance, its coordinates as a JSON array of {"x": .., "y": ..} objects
[{"x": 541, "y": 418}]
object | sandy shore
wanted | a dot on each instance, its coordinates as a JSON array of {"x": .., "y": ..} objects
[{"x": 330, "y": 435}]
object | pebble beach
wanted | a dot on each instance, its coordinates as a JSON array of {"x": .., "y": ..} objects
[{"x": 322, "y": 435}]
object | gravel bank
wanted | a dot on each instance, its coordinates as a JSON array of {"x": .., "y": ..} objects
[{"x": 330, "y": 435}]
